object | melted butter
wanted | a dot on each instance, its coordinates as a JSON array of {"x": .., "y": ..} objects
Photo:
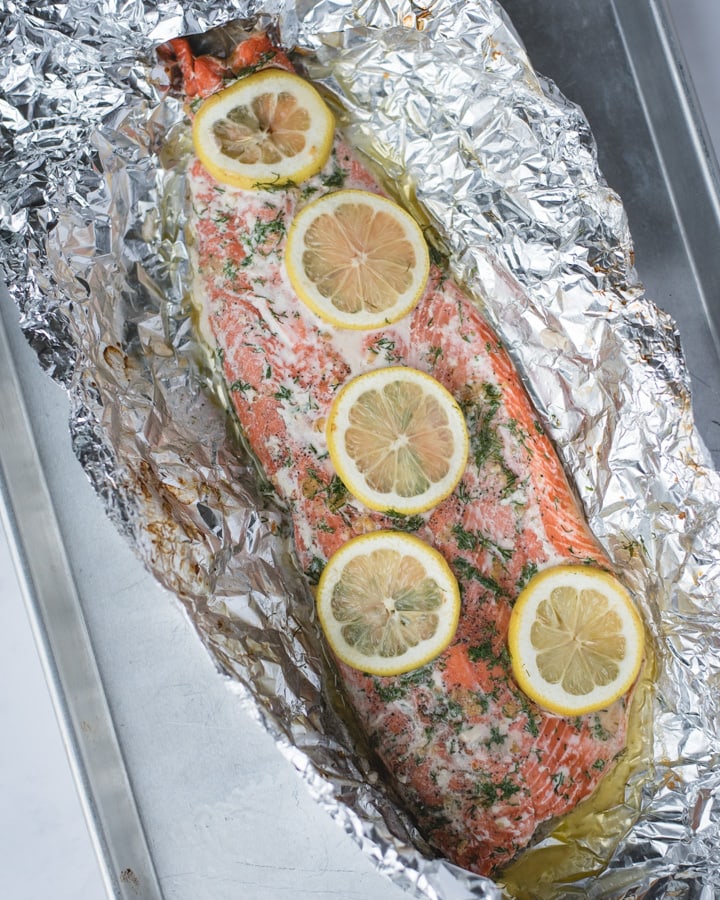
[{"x": 582, "y": 842}]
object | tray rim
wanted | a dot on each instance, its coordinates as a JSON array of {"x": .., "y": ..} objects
[
  {"x": 691, "y": 142},
  {"x": 67, "y": 657}
]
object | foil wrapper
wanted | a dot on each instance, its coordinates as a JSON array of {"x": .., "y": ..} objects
[{"x": 503, "y": 169}]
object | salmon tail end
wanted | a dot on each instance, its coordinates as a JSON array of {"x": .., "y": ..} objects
[{"x": 199, "y": 65}]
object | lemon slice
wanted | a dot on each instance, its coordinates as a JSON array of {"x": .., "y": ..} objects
[
  {"x": 270, "y": 128},
  {"x": 356, "y": 259},
  {"x": 397, "y": 439},
  {"x": 387, "y": 603},
  {"x": 576, "y": 640}
]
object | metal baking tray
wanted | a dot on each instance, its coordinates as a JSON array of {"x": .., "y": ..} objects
[{"x": 186, "y": 795}]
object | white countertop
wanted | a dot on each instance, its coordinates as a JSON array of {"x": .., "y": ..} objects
[{"x": 45, "y": 849}]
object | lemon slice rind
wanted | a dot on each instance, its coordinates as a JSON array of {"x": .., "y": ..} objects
[
  {"x": 290, "y": 168},
  {"x": 524, "y": 653},
  {"x": 307, "y": 289},
  {"x": 406, "y": 546},
  {"x": 339, "y": 421}
]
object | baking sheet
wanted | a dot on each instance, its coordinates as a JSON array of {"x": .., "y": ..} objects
[{"x": 198, "y": 844}]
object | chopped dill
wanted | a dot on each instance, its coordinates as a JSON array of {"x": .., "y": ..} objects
[
  {"x": 436, "y": 257},
  {"x": 434, "y": 354},
  {"x": 335, "y": 179},
  {"x": 388, "y": 346},
  {"x": 239, "y": 386},
  {"x": 528, "y": 571},
  {"x": 403, "y": 522},
  {"x": 337, "y": 493},
  {"x": 315, "y": 570},
  {"x": 263, "y": 233},
  {"x": 469, "y": 571},
  {"x": 276, "y": 185}
]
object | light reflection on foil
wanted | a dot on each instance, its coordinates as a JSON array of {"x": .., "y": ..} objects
[{"x": 91, "y": 221}]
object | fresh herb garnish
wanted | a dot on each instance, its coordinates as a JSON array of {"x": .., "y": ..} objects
[
  {"x": 335, "y": 179},
  {"x": 264, "y": 237},
  {"x": 387, "y": 345},
  {"x": 315, "y": 570},
  {"x": 468, "y": 571},
  {"x": 240, "y": 386},
  {"x": 403, "y": 522}
]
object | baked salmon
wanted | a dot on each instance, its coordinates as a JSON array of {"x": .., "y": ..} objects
[{"x": 478, "y": 765}]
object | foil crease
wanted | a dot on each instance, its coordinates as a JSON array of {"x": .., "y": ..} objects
[{"x": 503, "y": 167}]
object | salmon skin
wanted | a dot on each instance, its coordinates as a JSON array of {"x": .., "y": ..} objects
[{"x": 478, "y": 765}]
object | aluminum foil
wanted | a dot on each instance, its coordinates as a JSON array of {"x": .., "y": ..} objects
[{"x": 91, "y": 223}]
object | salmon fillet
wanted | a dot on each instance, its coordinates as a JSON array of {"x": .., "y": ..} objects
[{"x": 478, "y": 765}]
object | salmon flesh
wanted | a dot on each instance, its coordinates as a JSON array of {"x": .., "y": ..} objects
[{"x": 478, "y": 765}]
